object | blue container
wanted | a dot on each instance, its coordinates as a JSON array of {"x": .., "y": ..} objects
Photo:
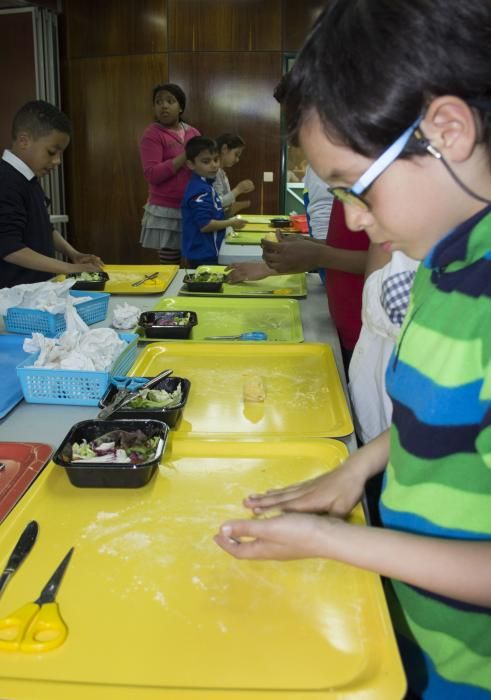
[
  {"x": 27, "y": 321},
  {"x": 74, "y": 387}
]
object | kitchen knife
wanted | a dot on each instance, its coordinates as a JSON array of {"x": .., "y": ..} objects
[{"x": 20, "y": 552}]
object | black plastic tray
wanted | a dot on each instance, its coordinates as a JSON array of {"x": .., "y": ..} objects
[
  {"x": 168, "y": 415},
  {"x": 202, "y": 286},
  {"x": 110, "y": 474},
  {"x": 89, "y": 286},
  {"x": 147, "y": 322}
]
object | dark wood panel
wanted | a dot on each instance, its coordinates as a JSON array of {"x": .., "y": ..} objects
[
  {"x": 53, "y": 5},
  {"x": 114, "y": 27},
  {"x": 16, "y": 49},
  {"x": 224, "y": 25},
  {"x": 298, "y": 18},
  {"x": 234, "y": 92},
  {"x": 110, "y": 103}
]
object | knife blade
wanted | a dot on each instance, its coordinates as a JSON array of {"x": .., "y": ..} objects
[{"x": 19, "y": 552}]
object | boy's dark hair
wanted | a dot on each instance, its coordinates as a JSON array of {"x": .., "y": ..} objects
[
  {"x": 174, "y": 89},
  {"x": 230, "y": 140},
  {"x": 39, "y": 118},
  {"x": 369, "y": 67},
  {"x": 197, "y": 145}
]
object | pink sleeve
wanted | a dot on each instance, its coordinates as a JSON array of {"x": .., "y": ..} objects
[{"x": 155, "y": 169}]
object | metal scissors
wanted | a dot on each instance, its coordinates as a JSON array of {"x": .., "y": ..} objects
[{"x": 38, "y": 626}]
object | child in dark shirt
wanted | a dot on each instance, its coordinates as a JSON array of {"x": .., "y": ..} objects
[
  {"x": 28, "y": 242},
  {"x": 203, "y": 222}
]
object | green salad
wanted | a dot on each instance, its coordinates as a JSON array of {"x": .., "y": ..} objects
[
  {"x": 157, "y": 398},
  {"x": 206, "y": 277},
  {"x": 119, "y": 446}
]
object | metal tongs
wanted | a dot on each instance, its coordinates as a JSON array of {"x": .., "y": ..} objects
[
  {"x": 145, "y": 278},
  {"x": 124, "y": 396}
]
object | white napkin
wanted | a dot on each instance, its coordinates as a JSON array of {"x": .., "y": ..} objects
[
  {"x": 45, "y": 296},
  {"x": 93, "y": 350},
  {"x": 125, "y": 316}
]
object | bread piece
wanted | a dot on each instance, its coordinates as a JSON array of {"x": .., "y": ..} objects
[
  {"x": 271, "y": 236},
  {"x": 254, "y": 389}
]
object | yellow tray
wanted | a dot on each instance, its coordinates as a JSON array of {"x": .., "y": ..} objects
[
  {"x": 304, "y": 395},
  {"x": 279, "y": 318},
  {"x": 156, "y": 611},
  {"x": 123, "y": 276},
  {"x": 296, "y": 285},
  {"x": 261, "y": 218},
  {"x": 248, "y": 236}
]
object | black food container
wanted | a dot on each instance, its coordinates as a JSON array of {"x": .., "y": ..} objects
[
  {"x": 202, "y": 285},
  {"x": 96, "y": 285},
  {"x": 281, "y": 223},
  {"x": 110, "y": 474},
  {"x": 170, "y": 416},
  {"x": 149, "y": 322}
]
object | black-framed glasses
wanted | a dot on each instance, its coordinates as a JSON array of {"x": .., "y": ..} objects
[{"x": 353, "y": 195}]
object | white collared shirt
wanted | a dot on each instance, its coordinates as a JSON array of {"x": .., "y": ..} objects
[{"x": 18, "y": 164}]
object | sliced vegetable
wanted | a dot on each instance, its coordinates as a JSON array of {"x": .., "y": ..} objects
[{"x": 119, "y": 446}]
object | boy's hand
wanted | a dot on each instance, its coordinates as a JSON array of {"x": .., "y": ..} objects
[
  {"x": 83, "y": 267},
  {"x": 245, "y": 186},
  {"x": 87, "y": 258},
  {"x": 237, "y": 223},
  {"x": 290, "y": 256},
  {"x": 336, "y": 492},
  {"x": 293, "y": 536},
  {"x": 246, "y": 272}
]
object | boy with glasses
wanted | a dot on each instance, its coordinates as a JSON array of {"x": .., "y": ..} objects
[{"x": 402, "y": 135}]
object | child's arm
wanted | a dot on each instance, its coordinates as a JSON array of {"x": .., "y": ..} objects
[
  {"x": 301, "y": 255},
  {"x": 237, "y": 207},
  {"x": 63, "y": 247},
  {"x": 248, "y": 272},
  {"x": 454, "y": 568},
  {"x": 457, "y": 569},
  {"x": 244, "y": 187},
  {"x": 32, "y": 260},
  {"x": 155, "y": 169},
  {"x": 219, "y": 224}
]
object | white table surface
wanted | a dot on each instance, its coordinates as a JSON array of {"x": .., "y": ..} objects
[
  {"x": 233, "y": 252},
  {"x": 50, "y": 423}
]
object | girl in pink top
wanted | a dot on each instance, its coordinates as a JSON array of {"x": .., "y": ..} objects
[{"x": 164, "y": 167}]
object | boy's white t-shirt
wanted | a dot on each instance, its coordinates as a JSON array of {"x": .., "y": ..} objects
[{"x": 385, "y": 299}]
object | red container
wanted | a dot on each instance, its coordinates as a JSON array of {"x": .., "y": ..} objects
[{"x": 299, "y": 223}]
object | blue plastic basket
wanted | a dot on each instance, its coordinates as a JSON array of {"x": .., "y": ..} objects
[
  {"x": 27, "y": 321},
  {"x": 79, "y": 388}
]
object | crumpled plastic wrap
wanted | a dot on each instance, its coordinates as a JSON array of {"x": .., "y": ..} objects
[
  {"x": 91, "y": 350},
  {"x": 125, "y": 316},
  {"x": 45, "y": 296}
]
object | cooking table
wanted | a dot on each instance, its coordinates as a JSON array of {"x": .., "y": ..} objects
[
  {"x": 192, "y": 652},
  {"x": 50, "y": 423}
]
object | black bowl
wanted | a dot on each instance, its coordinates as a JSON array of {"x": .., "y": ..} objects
[
  {"x": 149, "y": 321},
  {"x": 110, "y": 474},
  {"x": 96, "y": 285},
  {"x": 281, "y": 223},
  {"x": 202, "y": 285},
  {"x": 168, "y": 415}
]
